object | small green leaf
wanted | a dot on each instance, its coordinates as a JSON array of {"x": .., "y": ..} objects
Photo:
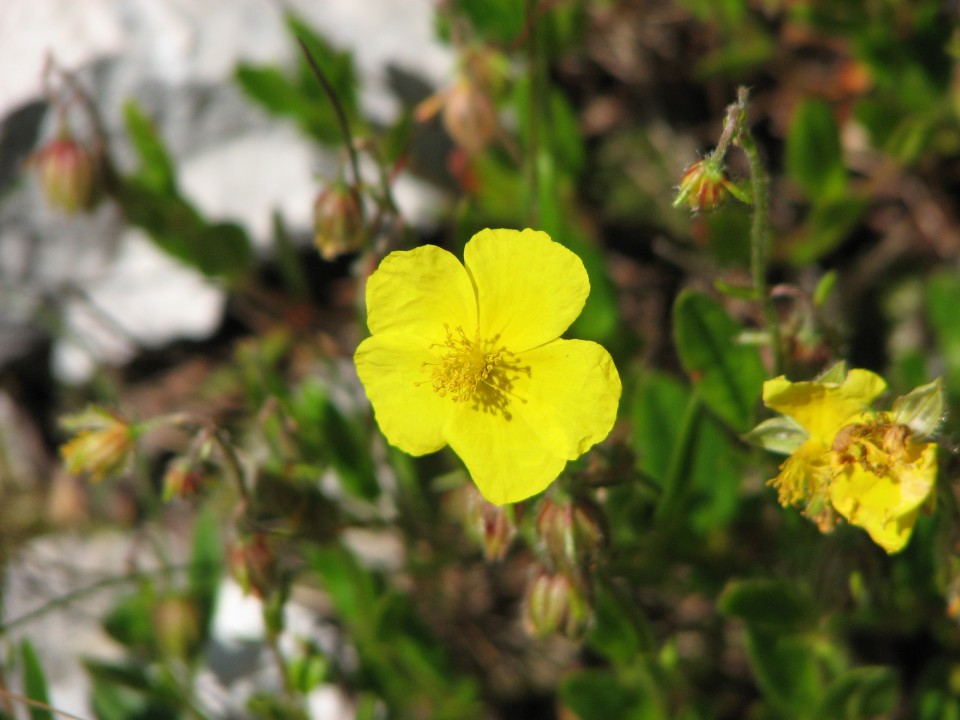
[
  {"x": 206, "y": 563},
  {"x": 780, "y": 435},
  {"x": 943, "y": 299},
  {"x": 618, "y": 632},
  {"x": 34, "y": 681},
  {"x": 350, "y": 586},
  {"x": 813, "y": 154},
  {"x": 599, "y": 695},
  {"x": 773, "y": 604},
  {"x": 864, "y": 692},
  {"x": 156, "y": 169},
  {"x": 787, "y": 671},
  {"x": 729, "y": 375},
  {"x": 657, "y": 413}
]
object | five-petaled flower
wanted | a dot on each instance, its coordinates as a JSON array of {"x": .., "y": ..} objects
[
  {"x": 470, "y": 356},
  {"x": 870, "y": 467}
]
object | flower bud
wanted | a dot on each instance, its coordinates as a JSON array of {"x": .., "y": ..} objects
[
  {"x": 489, "y": 526},
  {"x": 184, "y": 478},
  {"x": 571, "y": 531},
  {"x": 68, "y": 174},
  {"x": 554, "y": 604},
  {"x": 703, "y": 186},
  {"x": 103, "y": 445},
  {"x": 252, "y": 564},
  {"x": 469, "y": 116},
  {"x": 338, "y": 221}
]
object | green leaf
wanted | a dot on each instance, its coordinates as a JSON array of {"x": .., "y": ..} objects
[
  {"x": 330, "y": 436},
  {"x": 830, "y": 222},
  {"x": 618, "y": 632},
  {"x": 156, "y": 169},
  {"x": 943, "y": 299},
  {"x": 34, "y": 681},
  {"x": 206, "y": 563},
  {"x": 130, "y": 622},
  {"x": 658, "y": 409},
  {"x": 864, "y": 692},
  {"x": 787, "y": 671},
  {"x": 813, "y": 155},
  {"x": 600, "y": 694},
  {"x": 350, "y": 586},
  {"x": 776, "y": 605},
  {"x": 729, "y": 375},
  {"x": 497, "y": 20}
]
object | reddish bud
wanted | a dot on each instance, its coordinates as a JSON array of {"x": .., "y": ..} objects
[
  {"x": 183, "y": 479},
  {"x": 252, "y": 564},
  {"x": 703, "y": 186},
  {"x": 68, "y": 174}
]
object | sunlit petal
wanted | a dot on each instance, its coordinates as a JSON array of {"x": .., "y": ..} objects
[
  {"x": 570, "y": 395},
  {"x": 409, "y": 412},
  {"x": 823, "y": 408},
  {"x": 417, "y": 291},
  {"x": 507, "y": 459},
  {"x": 529, "y": 288}
]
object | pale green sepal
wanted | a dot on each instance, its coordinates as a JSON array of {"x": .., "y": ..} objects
[
  {"x": 781, "y": 435},
  {"x": 835, "y": 375},
  {"x": 921, "y": 409}
]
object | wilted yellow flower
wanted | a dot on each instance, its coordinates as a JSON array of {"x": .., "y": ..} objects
[
  {"x": 102, "y": 446},
  {"x": 471, "y": 357},
  {"x": 870, "y": 467}
]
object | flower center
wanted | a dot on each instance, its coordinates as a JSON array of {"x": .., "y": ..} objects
[
  {"x": 876, "y": 445},
  {"x": 474, "y": 370}
]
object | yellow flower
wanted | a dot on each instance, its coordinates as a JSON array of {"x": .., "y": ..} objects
[
  {"x": 867, "y": 466},
  {"x": 103, "y": 445},
  {"x": 470, "y": 357}
]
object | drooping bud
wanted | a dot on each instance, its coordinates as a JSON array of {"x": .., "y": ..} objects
[
  {"x": 103, "y": 445},
  {"x": 338, "y": 221},
  {"x": 469, "y": 116},
  {"x": 554, "y": 604},
  {"x": 68, "y": 174}
]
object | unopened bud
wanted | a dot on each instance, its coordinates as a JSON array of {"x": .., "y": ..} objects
[
  {"x": 571, "y": 531},
  {"x": 184, "y": 478},
  {"x": 469, "y": 116},
  {"x": 252, "y": 564},
  {"x": 103, "y": 445},
  {"x": 489, "y": 526},
  {"x": 554, "y": 604},
  {"x": 338, "y": 221},
  {"x": 704, "y": 186},
  {"x": 68, "y": 174}
]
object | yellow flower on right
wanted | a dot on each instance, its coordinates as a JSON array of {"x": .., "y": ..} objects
[{"x": 873, "y": 468}]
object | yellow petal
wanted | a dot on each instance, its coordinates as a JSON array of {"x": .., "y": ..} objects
[
  {"x": 506, "y": 458},
  {"x": 570, "y": 395},
  {"x": 529, "y": 288},
  {"x": 886, "y": 505},
  {"x": 409, "y": 412},
  {"x": 416, "y": 291},
  {"x": 823, "y": 408}
]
